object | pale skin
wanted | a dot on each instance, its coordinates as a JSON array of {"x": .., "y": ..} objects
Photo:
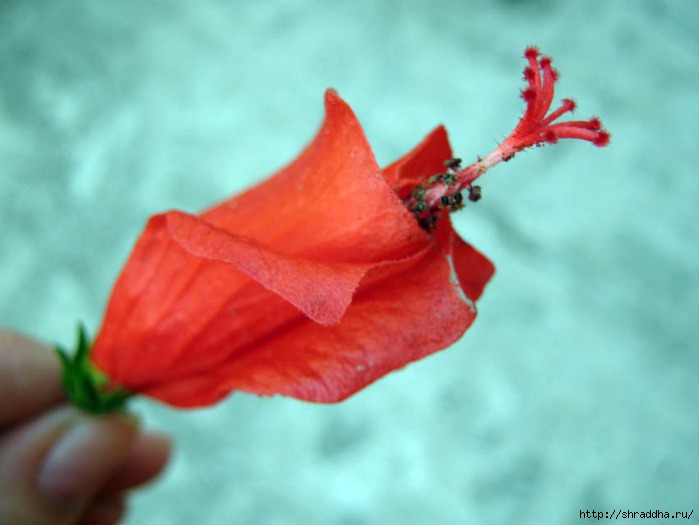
[{"x": 58, "y": 465}]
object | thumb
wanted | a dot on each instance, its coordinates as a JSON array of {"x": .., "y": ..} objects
[{"x": 51, "y": 467}]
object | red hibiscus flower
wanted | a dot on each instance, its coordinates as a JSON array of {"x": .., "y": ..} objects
[{"x": 318, "y": 281}]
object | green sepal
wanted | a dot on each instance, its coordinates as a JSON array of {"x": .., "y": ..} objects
[{"x": 85, "y": 386}]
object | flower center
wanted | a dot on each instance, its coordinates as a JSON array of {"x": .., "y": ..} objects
[{"x": 440, "y": 194}]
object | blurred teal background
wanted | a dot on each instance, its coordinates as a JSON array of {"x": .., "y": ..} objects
[{"x": 577, "y": 387}]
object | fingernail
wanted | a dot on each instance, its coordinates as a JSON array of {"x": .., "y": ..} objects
[{"x": 73, "y": 468}]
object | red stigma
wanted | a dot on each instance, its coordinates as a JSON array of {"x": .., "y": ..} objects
[
  {"x": 538, "y": 124},
  {"x": 531, "y": 53}
]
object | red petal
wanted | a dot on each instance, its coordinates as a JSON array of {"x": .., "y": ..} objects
[
  {"x": 425, "y": 160},
  {"x": 178, "y": 302},
  {"x": 322, "y": 291},
  {"x": 331, "y": 203},
  {"x": 473, "y": 269},
  {"x": 194, "y": 326},
  {"x": 405, "y": 318}
]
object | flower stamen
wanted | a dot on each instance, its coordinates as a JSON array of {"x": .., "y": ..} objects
[{"x": 535, "y": 128}]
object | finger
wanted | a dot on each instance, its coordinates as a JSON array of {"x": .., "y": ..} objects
[
  {"x": 30, "y": 377},
  {"x": 107, "y": 511},
  {"x": 86, "y": 456},
  {"x": 53, "y": 465},
  {"x": 148, "y": 457}
]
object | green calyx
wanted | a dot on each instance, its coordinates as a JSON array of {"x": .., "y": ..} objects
[{"x": 85, "y": 386}]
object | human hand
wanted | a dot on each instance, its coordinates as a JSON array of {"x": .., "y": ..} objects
[{"x": 58, "y": 465}]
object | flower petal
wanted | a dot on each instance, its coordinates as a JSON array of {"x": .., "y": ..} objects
[
  {"x": 473, "y": 269},
  {"x": 409, "y": 316},
  {"x": 331, "y": 203},
  {"x": 186, "y": 276},
  {"x": 321, "y": 290},
  {"x": 425, "y": 160},
  {"x": 193, "y": 295}
]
